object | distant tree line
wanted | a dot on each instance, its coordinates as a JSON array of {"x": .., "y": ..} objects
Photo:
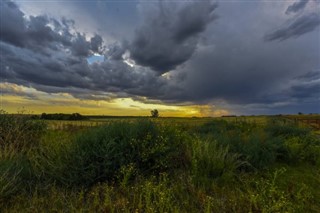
[{"x": 61, "y": 116}]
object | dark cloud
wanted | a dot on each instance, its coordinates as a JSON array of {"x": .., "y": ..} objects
[
  {"x": 226, "y": 64},
  {"x": 42, "y": 34},
  {"x": 309, "y": 76},
  {"x": 299, "y": 26},
  {"x": 80, "y": 46},
  {"x": 305, "y": 91},
  {"x": 306, "y": 86},
  {"x": 116, "y": 50},
  {"x": 96, "y": 44},
  {"x": 71, "y": 74},
  {"x": 297, "y": 6},
  {"x": 239, "y": 68},
  {"x": 12, "y": 23},
  {"x": 169, "y": 35},
  {"x": 52, "y": 57}
]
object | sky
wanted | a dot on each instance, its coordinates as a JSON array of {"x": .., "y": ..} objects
[{"x": 182, "y": 57}]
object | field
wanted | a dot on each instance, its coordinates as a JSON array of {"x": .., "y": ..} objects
[{"x": 231, "y": 164}]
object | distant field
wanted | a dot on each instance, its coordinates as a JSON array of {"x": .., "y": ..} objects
[{"x": 312, "y": 121}]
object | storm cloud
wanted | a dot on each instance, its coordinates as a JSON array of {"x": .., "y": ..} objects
[
  {"x": 43, "y": 34},
  {"x": 47, "y": 53},
  {"x": 178, "y": 53},
  {"x": 169, "y": 35}
]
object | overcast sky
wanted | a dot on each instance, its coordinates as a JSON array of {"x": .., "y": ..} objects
[{"x": 128, "y": 56}]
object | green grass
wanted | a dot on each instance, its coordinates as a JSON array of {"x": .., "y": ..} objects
[{"x": 254, "y": 164}]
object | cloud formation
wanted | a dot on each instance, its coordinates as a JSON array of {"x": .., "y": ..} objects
[
  {"x": 223, "y": 63},
  {"x": 43, "y": 34},
  {"x": 50, "y": 55},
  {"x": 169, "y": 35},
  {"x": 299, "y": 26},
  {"x": 297, "y": 6}
]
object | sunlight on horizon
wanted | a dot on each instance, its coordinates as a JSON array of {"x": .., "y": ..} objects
[{"x": 37, "y": 102}]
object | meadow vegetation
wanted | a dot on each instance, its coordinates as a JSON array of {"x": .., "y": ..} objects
[{"x": 152, "y": 165}]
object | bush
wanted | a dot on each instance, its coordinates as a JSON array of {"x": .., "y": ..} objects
[
  {"x": 263, "y": 151},
  {"x": 101, "y": 154},
  {"x": 254, "y": 144},
  {"x": 305, "y": 149}
]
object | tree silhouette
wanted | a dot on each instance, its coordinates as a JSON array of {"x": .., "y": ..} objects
[{"x": 154, "y": 113}]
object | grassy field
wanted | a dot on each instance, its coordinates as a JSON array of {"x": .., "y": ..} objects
[
  {"x": 232, "y": 164},
  {"x": 65, "y": 124}
]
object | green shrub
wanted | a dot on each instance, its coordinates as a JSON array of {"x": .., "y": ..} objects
[
  {"x": 263, "y": 151},
  {"x": 259, "y": 146},
  {"x": 268, "y": 195},
  {"x": 305, "y": 149},
  {"x": 101, "y": 154}
]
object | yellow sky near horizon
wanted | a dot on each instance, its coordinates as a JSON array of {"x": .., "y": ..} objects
[{"x": 15, "y": 98}]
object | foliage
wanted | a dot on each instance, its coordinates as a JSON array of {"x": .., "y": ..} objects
[
  {"x": 152, "y": 165},
  {"x": 100, "y": 154},
  {"x": 304, "y": 149},
  {"x": 251, "y": 141},
  {"x": 18, "y": 135},
  {"x": 154, "y": 113},
  {"x": 211, "y": 160}
]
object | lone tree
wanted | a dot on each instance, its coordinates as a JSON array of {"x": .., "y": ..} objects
[{"x": 154, "y": 113}]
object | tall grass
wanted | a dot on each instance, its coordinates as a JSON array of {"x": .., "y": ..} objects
[
  {"x": 211, "y": 160},
  {"x": 19, "y": 131},
  {"x": 263, "y": 146},
  {"x": 18, "y": 135},
  {"x": 146, "y": 166},
  {"x": 284, "y": 128}
]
